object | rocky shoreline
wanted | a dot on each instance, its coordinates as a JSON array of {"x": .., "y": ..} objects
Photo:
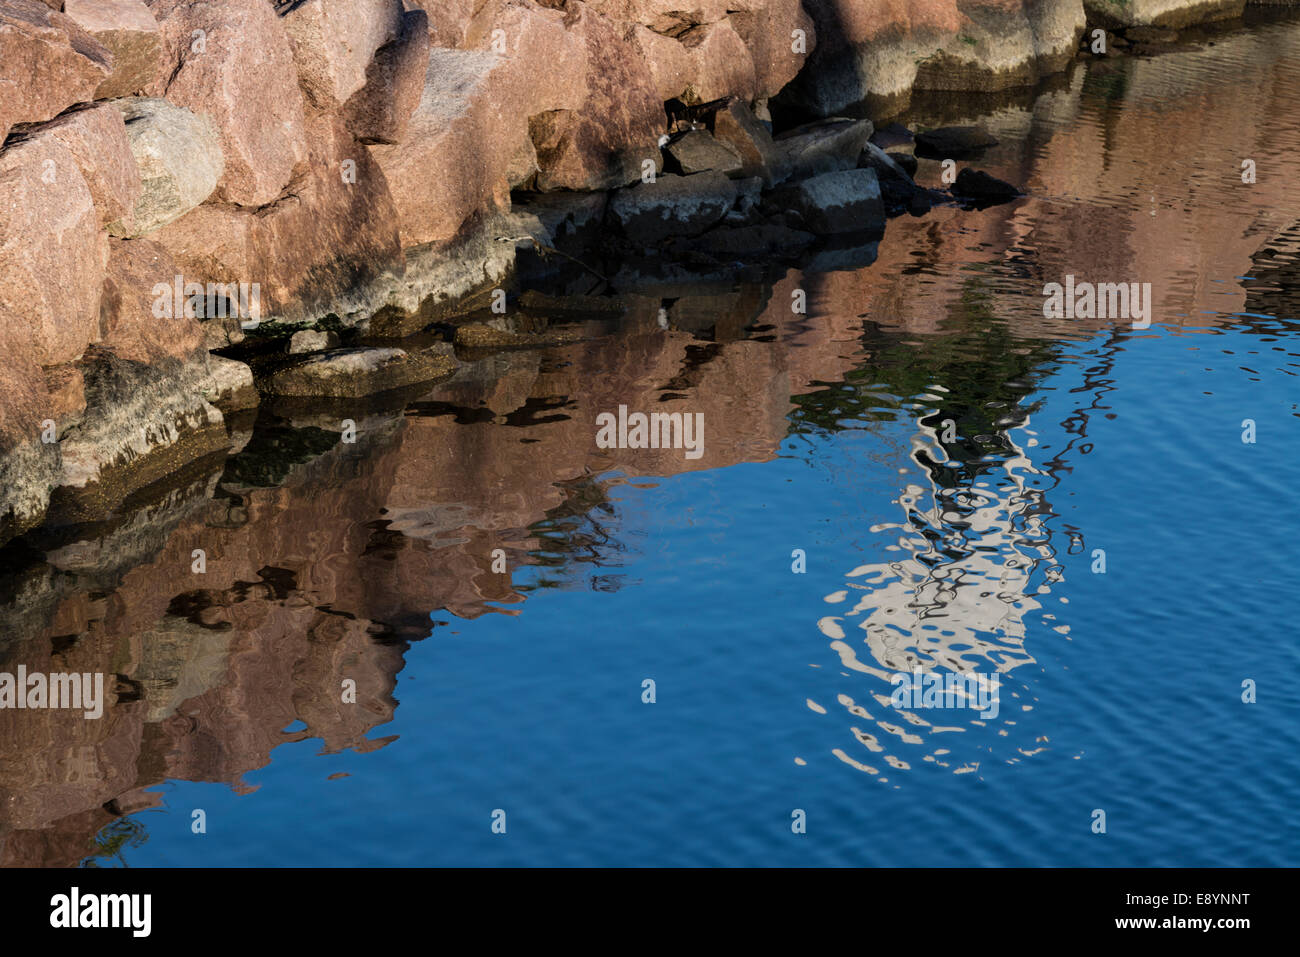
[{"x": 385, "y": 176}]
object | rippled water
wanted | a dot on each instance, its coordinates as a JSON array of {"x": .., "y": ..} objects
[{"x": 478, "y": 690}]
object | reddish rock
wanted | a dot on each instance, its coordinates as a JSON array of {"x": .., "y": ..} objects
[
  {"x": 333, "y": 233},
  {"x": 129, "y": 31},
  {"x": 459, "y": 148},
  {"x": 705, "y": 63},
  {"x": 603, "y": 143},
  {"x": 47, "y": 63},
  {"x": 240, "y": 72},
  {"x": 334, "y": 41},
  {"x": 96, "y": 137},
  {"x": 380, "y": 111},
  {"x": 139, "y": 273},
  {"x": 52, "y": 251},
  {"x": 779, "y": 36},
  {"x": 449, "y": 20}
]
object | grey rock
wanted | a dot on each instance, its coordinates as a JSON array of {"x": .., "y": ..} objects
[
  {"x": 312, "y": 340},
  {"x": 822, "y": 147},
  {"x": 983, "y": 189},
  {"x": 672, "y": 206},
  {"x": 845, "y": 201},
  {"x": 905, "y": 160},
  {"x": 180, "y": 160}
]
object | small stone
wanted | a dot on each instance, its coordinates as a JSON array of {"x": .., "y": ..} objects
[{"x": 696, "y": 151}]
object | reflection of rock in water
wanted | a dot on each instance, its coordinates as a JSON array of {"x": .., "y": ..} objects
[
  {"x": 1276, "y": 270},
  {"x": 957, "y": 602}
]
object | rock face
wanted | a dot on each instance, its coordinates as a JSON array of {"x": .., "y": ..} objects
[
  {"x": 47, "y": 63},
  {"x": 97, "y": 139},
  {"x": 178, "y": 155},
  {"x": 1160, "y": 13},
  {"x": 239, "y": 71},
  {"x": 823, "y": 147},
  {"x": 697, "y": 152},
  {"x": 130, "y": 33},
  {"x": 52, "y": 251},
  {"x": 334, "y": 42},
  {"x": 879, "y": 52},
  {"x": 381, "y": 110}
]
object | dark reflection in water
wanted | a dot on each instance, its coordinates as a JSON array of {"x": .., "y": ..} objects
[{"x": 324, "y": 561}]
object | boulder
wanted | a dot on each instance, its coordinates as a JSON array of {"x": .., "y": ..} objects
[
  {"x": 47, "y": 63},
  {"x": 697, "y": 151},
  {"x": 458, "y": 149},
  {"x": 672, "y": 206},
  {"x": 129, "y": 31},
  {"x": 240, "y": 73},
  {"x": 179, "y": 158},
  {"x": 953, "y": 142},
  {"x": 314, "y": 252},
  {"x": 52, "y": 251},
  {"x": 846, "y": 201},
  {"x": 779, "y": 35},
  {"x": 606, "y": 141},
  {"x": 706, "y": 62},
  {"x": 334, "y": 41},
  {"x": 354, "y": 373},
  {"x": 380, "y": 111},
  {"x": 822, "y": 147},
  {"x": 97, "y": 139},
  {"x": 133, "y": 326}
]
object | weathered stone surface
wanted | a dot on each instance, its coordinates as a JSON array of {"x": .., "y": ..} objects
[
  {"x": 352, "y": 373},
  {"x": 697, "y": 151},
  {"x": 953, "y": 142},
  {"x": 822, "y": 147},
  {"x": 605, "y": 142},
  {"x": 140, "y": 273},
  {"x": 1174, "y": 14},
  {"x": 380, "y": 111},
  {"x": 704, "y": 63},
  {"x": 458, "y": 150},
  {"x": 846, "y": 201},
  {"x": 243, "y": 78},
  {"x": 449, "y": 20},
  {"x": 313, "y": 250},
  {"x": 334, "y": 41},
  {"x": 97, "y": 138},
  {"x": 231, "y": 386},
  {"x": 52, "y": 251},
  {"x": 312, "y": 340},
  {"x": 179, "y": 159},
  {"x": 780, "y": 35},
  {"x": 735, "y": 125},
  {"x": 129, "y": 31},
  {"x": 672, "y": 206},
  {"x": 869, "y": 51},
  {"x": 47, "y": 63}
]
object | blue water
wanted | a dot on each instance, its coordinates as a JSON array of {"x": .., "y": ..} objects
[{"x": 1130, "y": 688}]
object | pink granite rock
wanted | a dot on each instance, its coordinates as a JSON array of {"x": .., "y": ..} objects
[{"x": 129, "y": 31}]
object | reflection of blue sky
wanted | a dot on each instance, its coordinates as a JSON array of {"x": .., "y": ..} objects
[{"x": 1133, "y": 677}]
